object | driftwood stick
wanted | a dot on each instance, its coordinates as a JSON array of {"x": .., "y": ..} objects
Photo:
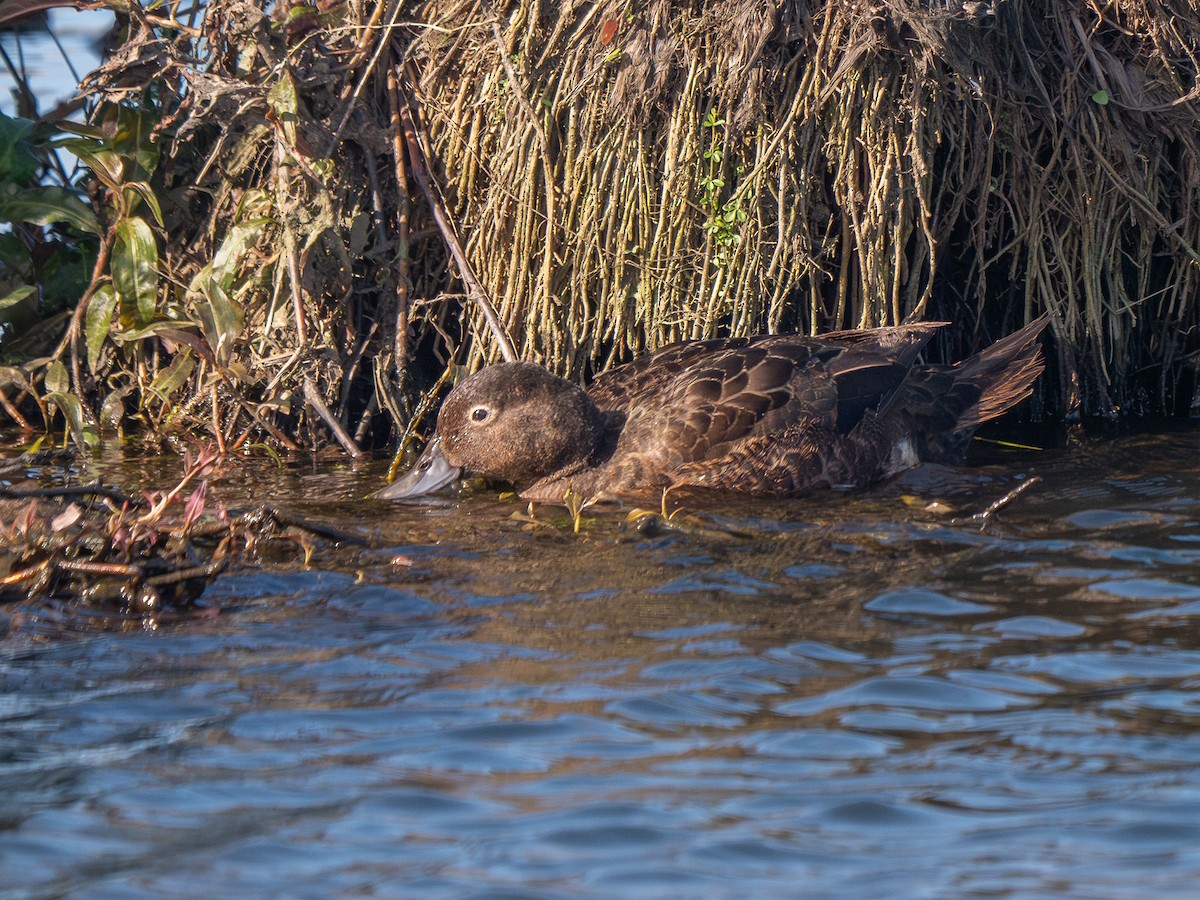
[
  {"x": 83, "y": 490},
  {"x": 420, "y": 173},
  {"x": 264, "y": 424},
  {"x": 19, "y": 575},
  {"x": 320, "y": 529},
  {"x": 343, "y": 437},
  {"x": 13, "y": 412},
  {"x": 981, "y": 518},
  {"x": 400, "y": 337},
  {"x": 293, "y": 270},
  {"x": 100, "y": 569},
  {"x": 364, "y": 424},
  {"x": 208, "y": 570}
]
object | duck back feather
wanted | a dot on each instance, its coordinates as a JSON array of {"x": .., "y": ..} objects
[
  {"x": 782, "y": 414},
  {"x": 774, "y": 414}
]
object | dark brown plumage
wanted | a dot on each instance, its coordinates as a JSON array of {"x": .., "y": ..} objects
[{"x": 775, "y": 414}]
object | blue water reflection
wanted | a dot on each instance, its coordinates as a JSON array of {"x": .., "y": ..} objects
[
  {"x": 839, "y": 697},
  {"x": 51, "y": 56}
]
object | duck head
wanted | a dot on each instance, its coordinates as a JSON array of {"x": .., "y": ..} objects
[{"x": 514, "y": 422}]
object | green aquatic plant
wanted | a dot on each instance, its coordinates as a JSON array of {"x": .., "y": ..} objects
[
  {"x": 576, "y": 504},
  {"x": 47, "y": 256},
  {"x": 121, "y": 156},
  {"x": 47, "y": 252},
  {"x": 725, "y": 218}
]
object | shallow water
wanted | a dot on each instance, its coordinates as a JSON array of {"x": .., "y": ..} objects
[{"x": 841, "y": 696}]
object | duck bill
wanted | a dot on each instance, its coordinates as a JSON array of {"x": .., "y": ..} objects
[{"x": 431, "y": 473}]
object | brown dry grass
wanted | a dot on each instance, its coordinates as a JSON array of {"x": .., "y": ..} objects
[
  {"x": 898, "y": 160},
  {"x": 623, "y": 175}
]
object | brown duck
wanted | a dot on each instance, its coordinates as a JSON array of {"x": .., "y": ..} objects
[{"x": 771, "y": 415}]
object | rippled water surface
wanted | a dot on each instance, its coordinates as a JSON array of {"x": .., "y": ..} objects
[{"x": 842, "y": 696}]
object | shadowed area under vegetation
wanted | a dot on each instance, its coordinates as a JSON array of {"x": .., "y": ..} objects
[{"x": 302, "y": 217}]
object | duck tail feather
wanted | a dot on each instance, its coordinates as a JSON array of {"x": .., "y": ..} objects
[{"x": 1003, "y": 374}]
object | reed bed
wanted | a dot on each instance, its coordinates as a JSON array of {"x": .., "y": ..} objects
[
  {"x": 341, "y": 201},
  {"x": 873, "y": 163}
]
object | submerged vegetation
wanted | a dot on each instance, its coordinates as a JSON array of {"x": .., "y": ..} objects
[{"x": 292, "y": 219}]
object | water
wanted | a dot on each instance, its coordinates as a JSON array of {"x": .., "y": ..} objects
[{"x": 843, "y": 696}]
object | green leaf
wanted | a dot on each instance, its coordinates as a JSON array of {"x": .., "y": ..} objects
[
  {"x": 175, "y": 331},
  {"x": 324, "y": 168},
  {"x": 169, "y": 379},
  {"x": 57, "y": 379},
  {"x": 81, "y": 432},
  {"x": 105, "y": 163},
  {"x": 154, "y": 329},
  {"x": 82, "y": 129},
  {"x": 134, "y": 142},
  {"x": 285, "y": 104},
  {"x": 220, "y": 318},
  {"x": 18, "y": 163},
  {"x": 301, "y": 11},
  {"x": 12, "y": 298},
  {"x": 98, "y": 322},
  {"x": 134, "y": 271},
  {"x": 143, "y": 190},
  {"x": 46, "y": 205},
  {"x": 229, "y": 257},
  {"x": 1100, "y": 98}
]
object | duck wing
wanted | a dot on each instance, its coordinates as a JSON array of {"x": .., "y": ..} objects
[
  {"x": 929, "y": 413},
  {"x": 703, "y": 401},
  {"x": 648, "y": 377}
]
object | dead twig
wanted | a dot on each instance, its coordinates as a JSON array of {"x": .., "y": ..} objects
[
  {"x": 83, "y": 490},
  {"x": 437, "y": 207},
  {"x": 320, "y": 529},
  {"x": 403, "y": 213},
  {"x": 982, "y": 518},
  {"x": 313, "y": 398}
]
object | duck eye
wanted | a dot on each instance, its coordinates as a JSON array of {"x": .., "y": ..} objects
[{"x": 480, "y": 414}]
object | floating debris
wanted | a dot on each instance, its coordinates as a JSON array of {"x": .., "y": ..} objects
[{"x": 99, "y": 552}]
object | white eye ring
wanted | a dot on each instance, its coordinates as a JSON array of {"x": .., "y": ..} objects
[{"x": 480, "y": 413}]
